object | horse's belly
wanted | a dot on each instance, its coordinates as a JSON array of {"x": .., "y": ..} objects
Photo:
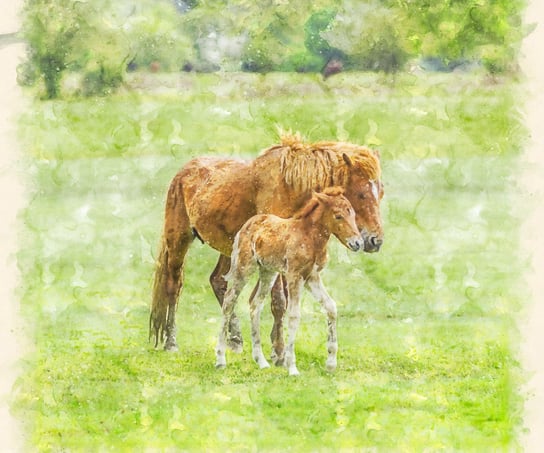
[{"x": 219, "y": 200}]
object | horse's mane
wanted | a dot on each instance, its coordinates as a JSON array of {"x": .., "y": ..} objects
[{"x": 315, "y": 166}]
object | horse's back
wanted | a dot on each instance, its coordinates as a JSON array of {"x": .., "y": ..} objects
[{"x": 218, "y": 195}]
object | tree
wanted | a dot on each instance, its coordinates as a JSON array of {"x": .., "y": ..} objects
[
  {"x": 51, "y": 29},
  {"x": 489, "y": 31},
  {"x": 368, "y": 33}
]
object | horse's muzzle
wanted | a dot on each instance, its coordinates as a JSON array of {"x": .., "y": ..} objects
[{"x": 372, "y": 244}]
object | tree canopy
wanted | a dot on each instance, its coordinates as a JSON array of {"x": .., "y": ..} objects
[{"x": 104, "y": 38}]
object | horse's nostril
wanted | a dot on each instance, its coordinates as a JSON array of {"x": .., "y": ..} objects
[{"x": 376, "y": 242}]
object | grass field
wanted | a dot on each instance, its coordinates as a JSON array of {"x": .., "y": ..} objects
[{"x": 427, "y": 327}]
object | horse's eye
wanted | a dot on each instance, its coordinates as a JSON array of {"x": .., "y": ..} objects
[
  {"x": 338, "y": 217},
  {"x": 362, "y": 196}
]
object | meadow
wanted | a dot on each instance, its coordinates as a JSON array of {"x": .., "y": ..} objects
[{"x": 428, "y": 339}]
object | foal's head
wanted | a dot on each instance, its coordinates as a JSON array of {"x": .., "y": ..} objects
[{"x": 339, "y": 217}]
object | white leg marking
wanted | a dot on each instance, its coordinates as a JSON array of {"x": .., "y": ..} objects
[
  {"x": 293, "y": 311},
  {"x": 231, "y": 296},
  {"x": 315, "y": 285},
  {"x": 266, "y": 280}
]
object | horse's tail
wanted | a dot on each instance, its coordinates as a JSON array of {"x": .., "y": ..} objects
[
  {"x": 159, "y": 303},
  {"x": 177, "y": 237}
]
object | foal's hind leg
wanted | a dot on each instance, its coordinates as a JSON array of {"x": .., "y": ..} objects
[
  {"x": 229, "y": 302},
  {"x": 278, "y": 306},
  {"x": 219, "y": 286},
  {"x": 256, "y": 303},
  {"x": 294, "y": 286}
]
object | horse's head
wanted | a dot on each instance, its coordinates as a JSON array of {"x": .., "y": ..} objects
[
  {"x": 364, "y": 190},
  {"x": 339, "y": 217}
]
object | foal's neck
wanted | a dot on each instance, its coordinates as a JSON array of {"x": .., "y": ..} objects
[{"x": 316, "y": 228}]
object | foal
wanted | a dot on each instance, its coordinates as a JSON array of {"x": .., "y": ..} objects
[{"x": 297, "y": 249}]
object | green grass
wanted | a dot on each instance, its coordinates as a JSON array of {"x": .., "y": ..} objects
[{"x": 427, "y": 331}]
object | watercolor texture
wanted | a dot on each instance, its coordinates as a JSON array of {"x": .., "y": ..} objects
[{"x": 433, "y": 331}]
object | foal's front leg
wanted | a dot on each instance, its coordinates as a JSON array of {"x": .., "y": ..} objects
[{"x": 315, "y": 285}]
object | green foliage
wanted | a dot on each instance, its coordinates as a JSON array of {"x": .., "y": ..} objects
[
  {"x": 370, "y": 35},
  {"x": 314, "y": 41},
  {"x": 165, "y": 35},
  {"x": 487, "y": 30},
  {"x": 51, "y": 30},
  {"x": 427, "y": 336},
  {"x": 67, "y": 34},
  {"x": 102, "y": 81}
]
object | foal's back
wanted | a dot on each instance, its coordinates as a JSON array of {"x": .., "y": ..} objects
[{"x": 279, "y": 244}]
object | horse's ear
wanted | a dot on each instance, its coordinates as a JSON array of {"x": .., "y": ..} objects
[
  {"x": 347, "y": 160},
  {"x": 376, "y": 153}
]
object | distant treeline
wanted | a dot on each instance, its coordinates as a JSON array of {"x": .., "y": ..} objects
[{"x": 105, "y": 38}]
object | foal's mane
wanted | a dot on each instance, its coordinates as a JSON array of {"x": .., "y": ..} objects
[{"x": 315, "y": 166}]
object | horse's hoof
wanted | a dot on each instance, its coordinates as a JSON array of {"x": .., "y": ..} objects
[
  {"x": 220, "y": 366},
  {"x": 171, "y": 346},
  {"x": 235, "y": 344}
]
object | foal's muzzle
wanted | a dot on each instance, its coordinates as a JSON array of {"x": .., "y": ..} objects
[{"x": 355, "y": 244}]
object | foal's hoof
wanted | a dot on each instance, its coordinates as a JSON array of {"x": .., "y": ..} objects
[
  {"x": 220, "y": 366},
  {"x": 276, "y": 360},
  {"x": 235, "y": 344}
]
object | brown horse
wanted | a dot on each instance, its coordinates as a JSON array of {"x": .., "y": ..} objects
[
  {"x": 211, "y": 198},
  {"x": 297, "y": 249}
]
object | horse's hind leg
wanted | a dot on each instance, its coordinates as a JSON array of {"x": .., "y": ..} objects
[
  {"x": 177, "y": 237},
  {"x": 278, "y": 306},
  {"x": 219, "y": 286}
]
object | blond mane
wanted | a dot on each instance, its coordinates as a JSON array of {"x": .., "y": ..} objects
[{"x": 315, "y": 166}]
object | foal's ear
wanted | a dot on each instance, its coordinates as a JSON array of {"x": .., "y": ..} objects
[
  {"x": 321, "y": 197},
  {"x": 347, "y": 160}
]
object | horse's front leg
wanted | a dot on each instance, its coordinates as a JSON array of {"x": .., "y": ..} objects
[
  {"x": 278, "y": 306},
  {"x": 219, "y": 286},
  {"x": 318, "y": 291}
]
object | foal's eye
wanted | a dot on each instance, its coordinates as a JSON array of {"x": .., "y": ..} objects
[
  {"x": 338, "y": 217},
  {"x": 361, "y": 195}
]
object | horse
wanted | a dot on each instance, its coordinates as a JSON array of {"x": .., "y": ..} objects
[
  {"x": 297, "y": 249},
  {"x": 210, "y": 199}
]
